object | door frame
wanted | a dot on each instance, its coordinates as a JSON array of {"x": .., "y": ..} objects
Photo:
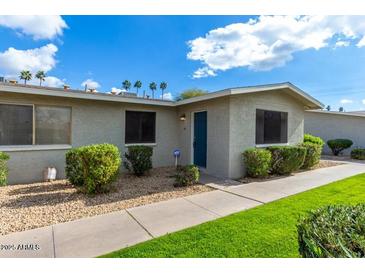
[{"x": 192, "y": 116}]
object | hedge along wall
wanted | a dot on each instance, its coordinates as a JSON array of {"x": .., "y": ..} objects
[{"x": 334, "y": 126}]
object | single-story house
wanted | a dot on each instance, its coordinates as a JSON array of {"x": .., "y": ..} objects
[
  {"x": 336, "y": 125},
  {"x": 38, "y": 125}
]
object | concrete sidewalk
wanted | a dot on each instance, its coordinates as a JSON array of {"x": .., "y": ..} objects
[{"x": 90, "y": 237}]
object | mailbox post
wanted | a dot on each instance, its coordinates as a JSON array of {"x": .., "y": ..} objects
[{"x": 176, "y": 155}]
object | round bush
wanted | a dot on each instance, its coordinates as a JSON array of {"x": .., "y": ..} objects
[
  {"x": 335, "y": 231},
  {"x": 257, "y": 162},
  {"x": 3, "y": 168},
  {"x": 138, "y": 159},
  {"x": 313, "y": 140},
  {"x": 186, "y": 176},
  {"x": 93, "y": 167},
  {"x": 312, "y": 156},
  {"x": 358, "y": 153},
  {"x": 338, "y": 145},
  {"x": 287, "y": 159}
]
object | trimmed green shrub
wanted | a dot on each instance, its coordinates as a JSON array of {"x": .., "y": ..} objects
[
  {"x": 286, "y": 159},
  {"x": 257, "y": 161},
  {"x": 312, "y": 156},
  {"x": 93, "y": 167},
  {"x": 3, "y": 168},
  {"x": 313, "y": 139},
  {"x": 186, "y": 176},
  {"x": 138, "y": 159},
  {"x": 358, "y": 153},
  {"x": 338, "y": 145},
  {"x": 74, "y": 167},
  {"x": 335, "y": 231}
]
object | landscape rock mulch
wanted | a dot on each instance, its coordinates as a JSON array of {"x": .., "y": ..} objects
[{"x": 29, "y": 206}]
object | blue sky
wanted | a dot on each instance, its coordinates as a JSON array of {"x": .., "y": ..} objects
[{"x": 319, "y": 55}]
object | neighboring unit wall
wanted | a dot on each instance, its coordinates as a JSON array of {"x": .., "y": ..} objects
[
  {"x": 334, "y": 126},
  {"x": 92, "y": 122},
  {"x": 243, "y": 123},
  {"x": 217, "y": 135}
]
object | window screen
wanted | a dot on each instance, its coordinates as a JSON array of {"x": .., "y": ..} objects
[
  {"x": 52, "y": 125},
  {"x": 16, "y": 125},
  {"x": 271, "y": 127},
  {"x": 140, "y": 127}
]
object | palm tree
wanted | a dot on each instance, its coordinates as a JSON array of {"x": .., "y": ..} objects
[
  {"x": 137, "y": 85},
  {"x": 41, "y": 76},
  {"x": 153, "y": 87},
  {"x": 126, "y": 85},
  {"x": 25, "y": 75},
  {"x": 163, "y": 86}
]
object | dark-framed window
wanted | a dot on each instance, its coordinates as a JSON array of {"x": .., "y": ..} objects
[
  {"x": 271, "y": 127},
  {"x": 34, "y": 125},
  {"x": 140, "y": 127},
  {"x": 16, "y": 124}
]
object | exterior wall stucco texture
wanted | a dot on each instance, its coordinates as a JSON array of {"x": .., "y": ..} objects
[
  {"x": 335, "y": 126},
  {"x": 243, "y": 123},
  {"x": 92, "y": 122},
  {"x": 217, "y": 134}
]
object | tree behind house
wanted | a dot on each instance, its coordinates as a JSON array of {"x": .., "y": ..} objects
[
  {"x": 163, "y": 86},
  {"x": 153, "y": 87},
  {"x": 41, "y": 76},
  {"x": 190, "y": 93},
  {"x": 126, "y": 85},
  {"x": 26, "y": 76},
  {"x": 138, "y": 85}
]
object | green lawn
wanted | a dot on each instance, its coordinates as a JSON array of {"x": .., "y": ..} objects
[{"x": 265, "y": 231}]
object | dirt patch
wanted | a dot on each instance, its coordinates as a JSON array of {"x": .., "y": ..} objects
[
  {"x": 29, "y": 206},
  {"x": 321, "y": 164}
]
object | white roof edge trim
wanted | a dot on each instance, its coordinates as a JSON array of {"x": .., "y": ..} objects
[
  {"x": 84, "y": 95},
  {"x": 121, "y": 99},
  {"x": 253, "y": 89},
  {"x": 336, "y": 113}
]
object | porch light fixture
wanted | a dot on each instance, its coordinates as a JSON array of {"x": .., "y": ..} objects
[{"x": 183, "y": 117}]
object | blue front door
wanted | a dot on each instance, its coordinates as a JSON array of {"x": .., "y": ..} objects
[{"x": 200, "y": 138}]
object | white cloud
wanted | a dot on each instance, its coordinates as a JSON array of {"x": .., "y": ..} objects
[
  {"x": 270, "y": 41},
  {"x": 342, "y": 44},
  {"x": 37, "y": 26},
  {"x": 49, "y": 81},
  {"x": 167, "y": 96},
  {"x": 363, "y": 101},
  {"x": 204, "y": 72},
  {"x": 12, "y": 61},
  {"x": 91, "y": 84},
  {"x": 346, "y": 101}
]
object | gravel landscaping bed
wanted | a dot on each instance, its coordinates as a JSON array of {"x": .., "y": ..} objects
[{"x": 29, "y": 206}]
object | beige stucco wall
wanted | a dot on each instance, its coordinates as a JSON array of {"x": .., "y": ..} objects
[
  {"x": 232, "y": 127},
  {"x": 231, "y": 122},
  {"x": 217, "y": 134},
  {"x": 334, "y": 126},
  {"x": 243, "y": 123},
  {"x": 92, "y": 122}
]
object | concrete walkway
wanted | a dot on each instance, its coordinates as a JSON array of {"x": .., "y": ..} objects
[{"x": 90, "y": 237}]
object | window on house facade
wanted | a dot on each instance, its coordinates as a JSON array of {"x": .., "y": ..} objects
[
  {"x": 140, "y": 127},
  {"x": 53, "y": 125},
  {"x": 16, "y": 125},
  {"x": 271, "y": 127},
  {"x": 40, "y": 125}
]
